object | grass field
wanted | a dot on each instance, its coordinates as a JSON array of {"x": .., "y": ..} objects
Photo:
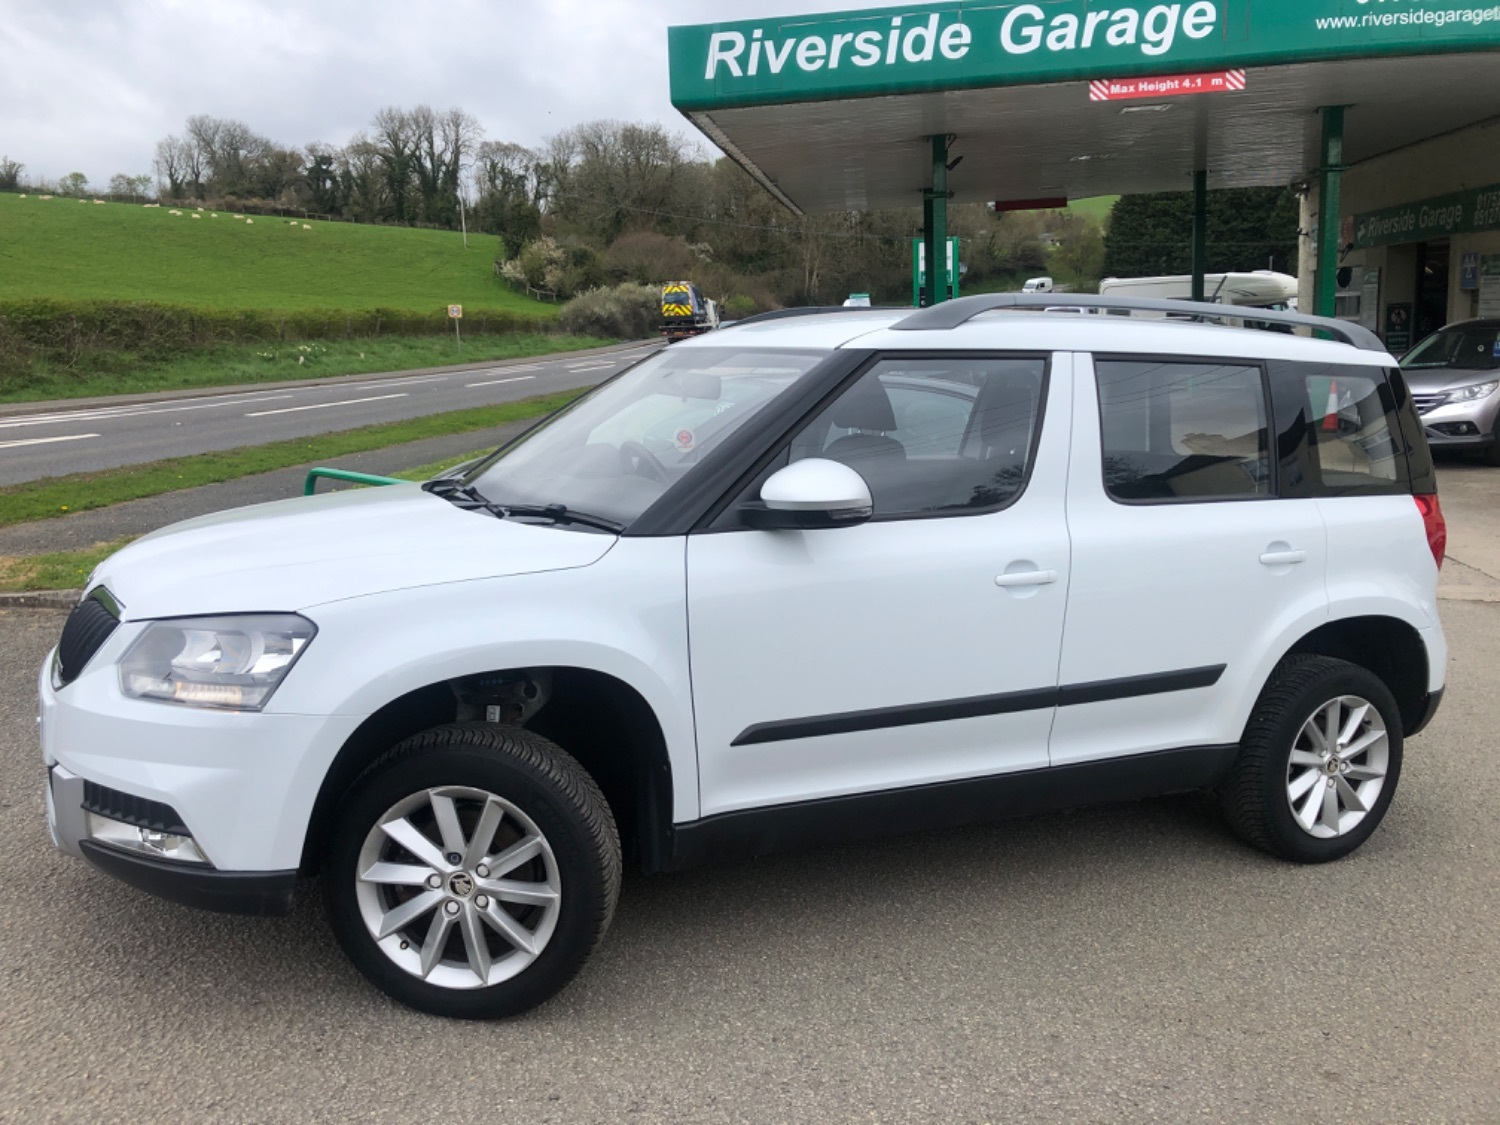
[
  {"x": 1097, "y": 208},
  {"x": 64, "y": 248}
]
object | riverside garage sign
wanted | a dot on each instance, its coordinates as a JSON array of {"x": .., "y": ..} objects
[{"x": 959, "y": 45}]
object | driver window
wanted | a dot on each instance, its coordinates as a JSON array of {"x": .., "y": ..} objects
[{"x": 934, "y": 435}]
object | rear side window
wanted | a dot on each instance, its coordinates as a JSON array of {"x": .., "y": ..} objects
[
  {"x": 1183, "y": 430},
  {"x": 1352, "y": 423}
]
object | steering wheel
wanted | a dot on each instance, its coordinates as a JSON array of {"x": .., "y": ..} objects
[{"x": 643, "y": 463}]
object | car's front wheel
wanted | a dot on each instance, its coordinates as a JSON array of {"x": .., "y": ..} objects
[
  {"x": 1319, "y": 761},
  {"x": 472, "y": 871}
]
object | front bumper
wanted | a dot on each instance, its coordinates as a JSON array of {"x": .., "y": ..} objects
[
  {"x": 191, "y": 884},
  {"x": 1463, "y": 426},
  {"x": 241, "y": 785}
]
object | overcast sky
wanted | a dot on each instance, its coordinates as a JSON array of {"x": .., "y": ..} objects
[{"x": 91, "y": 85}]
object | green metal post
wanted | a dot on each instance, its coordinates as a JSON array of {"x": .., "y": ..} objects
[
  {"x": 1200, "y": 232},
  {"x": 1329, "y": 177},
  {"x": 935, "y": 214},
  {"x": 921, "y": 274}
]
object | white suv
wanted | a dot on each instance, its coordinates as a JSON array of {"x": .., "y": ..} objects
[{"x": 812, "y": 577}]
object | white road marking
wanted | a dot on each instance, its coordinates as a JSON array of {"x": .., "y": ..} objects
[
  {"x": 516, "y": 367},
  {"x": 497, "y": 382},
  {"x": 398, "y": 382},
  {"x": 45, "y": 440},
  {"x": 593, "y": 367},
  {"x": 107, "y": 413},
  {"x": 322, "y": 405}
]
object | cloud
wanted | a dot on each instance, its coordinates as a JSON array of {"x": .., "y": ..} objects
[{"x": 91, "y": 85}]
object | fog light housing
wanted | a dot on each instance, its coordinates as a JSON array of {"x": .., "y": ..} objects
[{"x": 145, "y": 841}]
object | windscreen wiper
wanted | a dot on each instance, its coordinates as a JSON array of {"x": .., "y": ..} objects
[
  {"x": 470, "y": 497},
  {"x": 561, "y": 513}
]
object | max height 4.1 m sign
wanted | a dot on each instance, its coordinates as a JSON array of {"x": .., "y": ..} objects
[{"x": 1131, "y": 89}]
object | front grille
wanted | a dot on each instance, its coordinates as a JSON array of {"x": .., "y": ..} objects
[
  {"x": 1429, "y": 401},
  {"x": 88, "y": 627},
  {"x": 111, "y": 803}
]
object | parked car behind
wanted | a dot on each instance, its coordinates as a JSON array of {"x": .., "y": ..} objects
[{"x": 1453, "y": 375}]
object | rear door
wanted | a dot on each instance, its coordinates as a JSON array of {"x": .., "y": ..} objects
[{"x": 1187, "y": 565}]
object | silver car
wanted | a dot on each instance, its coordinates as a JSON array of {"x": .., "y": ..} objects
[{"x": 1454, "y": 375}]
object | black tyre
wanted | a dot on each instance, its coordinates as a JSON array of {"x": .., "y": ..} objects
[
  {"x": 472, "y": 870},
  {"x": 1319, "y": 762}
]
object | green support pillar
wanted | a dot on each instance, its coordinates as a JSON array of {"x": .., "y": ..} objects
[
  {"x": 1200, "y": 232},
  {"x": 1329, "y": 216},
  {"x": 935, "y": 224}
]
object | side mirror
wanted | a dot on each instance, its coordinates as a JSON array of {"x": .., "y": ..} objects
[{"x": 809, "y": 495}]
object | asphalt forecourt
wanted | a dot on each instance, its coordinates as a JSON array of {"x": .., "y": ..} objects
[
  {"x": 1133, "y": 962},
  {"x": 36, "y": 445}
]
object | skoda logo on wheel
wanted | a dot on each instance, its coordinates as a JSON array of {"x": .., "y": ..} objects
[{"x": 461, "y": 884}]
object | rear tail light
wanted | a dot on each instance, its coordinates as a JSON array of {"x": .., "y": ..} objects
[{"x": 1435, "y": 526}]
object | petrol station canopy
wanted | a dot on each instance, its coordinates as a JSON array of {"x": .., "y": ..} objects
[{"x": 837, "y": 111}]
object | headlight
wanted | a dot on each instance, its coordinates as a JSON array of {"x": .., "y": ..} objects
[
  {"x": 231, "y": 663},
  {"x": 1473, "y": 394}
]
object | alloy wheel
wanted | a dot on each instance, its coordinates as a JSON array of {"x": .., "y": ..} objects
[
  {"x": 1337, "y": 767},
  {"x": 458, "y": 887}
]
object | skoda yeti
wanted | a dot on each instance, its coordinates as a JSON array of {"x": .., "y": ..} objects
[{"x": 807, "y": 578}]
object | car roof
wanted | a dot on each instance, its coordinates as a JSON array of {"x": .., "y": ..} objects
[
  {"x": 1040, "y": 332},
  {"x": 1482, "y": 322},
  {"x": 832, "y": 329}
]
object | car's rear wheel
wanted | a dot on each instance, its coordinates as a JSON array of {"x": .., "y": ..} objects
[
  {"x": 1319, "y": 761},
  {"x": 472, "y": 871}
]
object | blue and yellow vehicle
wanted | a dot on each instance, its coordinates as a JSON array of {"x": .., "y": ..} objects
[{"x": 685, "y": 311}]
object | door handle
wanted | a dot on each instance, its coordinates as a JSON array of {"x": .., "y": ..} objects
[
  {"x": 1026, "y": 578},
  {"x": 1283, "y": 558}
]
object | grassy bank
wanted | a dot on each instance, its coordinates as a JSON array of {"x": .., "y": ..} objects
[
  {"x": 125, "y": 252},
  {"x": 108, "y": 373},
  {"x": 62, "y": 570},
  {"x": 81, "y": 492}
]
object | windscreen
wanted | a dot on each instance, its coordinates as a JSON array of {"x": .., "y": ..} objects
[
  {"x": 617, "y": 450},
  {"x": 1464, "y": 349}
]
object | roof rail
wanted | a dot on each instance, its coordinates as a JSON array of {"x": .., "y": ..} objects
[
  {"x": 810, "y": 310},
  {"x": 951, "y": 314}
]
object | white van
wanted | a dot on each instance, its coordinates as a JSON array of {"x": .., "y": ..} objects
[
  {"x": 1262, "y": 289},
  {"x": 1038, "y": 285}
]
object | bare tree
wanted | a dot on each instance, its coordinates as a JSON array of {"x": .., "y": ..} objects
[
  {"x": 395, "y": 142},
  {"x": 10, "y": 173},
  {"x": 171, "y": 165},
  {"x": 362, "y": 176},
  {"x": 229, "y": 149}
]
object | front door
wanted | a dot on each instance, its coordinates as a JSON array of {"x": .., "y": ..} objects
[{"x": 920, "y": 647}]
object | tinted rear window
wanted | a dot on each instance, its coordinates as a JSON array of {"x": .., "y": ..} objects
[
  {"x": 1350, "y": 428},
  {"x": 1183, "y": 430}
]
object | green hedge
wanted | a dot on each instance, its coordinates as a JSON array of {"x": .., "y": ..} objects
[{"x": 65, "y": 332}]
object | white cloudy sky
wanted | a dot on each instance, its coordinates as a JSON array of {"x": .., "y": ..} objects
[{"x": 91, "y": 85}]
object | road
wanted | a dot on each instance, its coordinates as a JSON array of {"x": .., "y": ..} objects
[{"x": 34, "y": 446}]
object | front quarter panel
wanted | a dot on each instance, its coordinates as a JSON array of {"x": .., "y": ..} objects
[{"x": 625, "y": 616}]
